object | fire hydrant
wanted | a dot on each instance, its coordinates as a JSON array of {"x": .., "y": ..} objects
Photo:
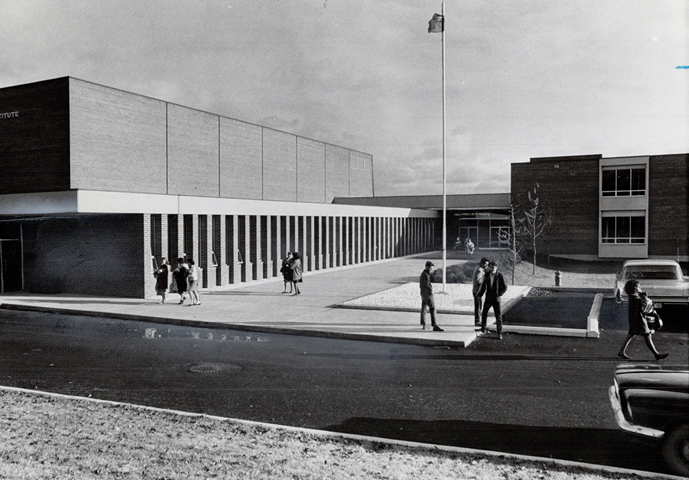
[{"x": 558, "y": 278}]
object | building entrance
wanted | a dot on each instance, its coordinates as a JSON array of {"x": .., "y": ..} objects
[{"x": 11, "y": 266}]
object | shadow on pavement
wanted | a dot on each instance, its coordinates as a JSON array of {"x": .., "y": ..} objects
[{"x": 590, "y": 445}]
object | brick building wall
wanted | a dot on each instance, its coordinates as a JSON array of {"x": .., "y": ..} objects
[
  {"x": 34, "y": 137},
  {"x": 279, "y": 166},
  {"x": 86, "y": 254},
  {"x": 193, "y": 152},
  {"x": 336, "y": 172},
  {"x": 118, "y": 140},
  {"x": 360, "y": 175},
  {"x": 570, "y": 187},
  {"x": 668, "y": 217},
  {"x": 125, "y": 142},
  {"x": 310, "y": 171},
  {"x": 241, "y": 160}
]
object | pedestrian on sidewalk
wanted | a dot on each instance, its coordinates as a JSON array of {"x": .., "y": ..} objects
[
  {"x": 638, "y": 324},
  {"x": 194, "y": 278},
  {"x": 180, "y": 275},
  {"x": 427, "y": 300},
  {"x": 494, "y": 287},
  {"x": 296, "y": 272},
  {"x": 286, "y": 271},
  {"x": 479, "y": 276},
  {"x": 161, "y": 275}
]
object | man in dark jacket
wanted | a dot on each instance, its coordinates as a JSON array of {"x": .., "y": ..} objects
[
  {"x": 426, "y": 285},
  {"x": 494, "y": 287}
]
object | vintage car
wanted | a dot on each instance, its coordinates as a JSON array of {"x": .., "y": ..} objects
[
  {"x": 652, "y": 401},
  {"x": 662, "y": 280}
]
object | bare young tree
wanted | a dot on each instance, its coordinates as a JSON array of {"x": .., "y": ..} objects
[{"x": 531, "y": 218}]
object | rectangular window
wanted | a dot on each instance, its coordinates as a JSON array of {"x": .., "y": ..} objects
[
  {"x": 623, "y": 182},
  {"x": 623, "y": 230}
]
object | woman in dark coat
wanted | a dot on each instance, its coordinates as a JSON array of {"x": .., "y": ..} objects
[
  {"x": 180, "y": 275},
  {"x": 286, "y": 271},
  {"x": 638, "y": 325},
  {"x": 161, "y": 275},
  {"x": 296, "y": 272}
]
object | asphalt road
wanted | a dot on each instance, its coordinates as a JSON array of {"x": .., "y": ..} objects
[{"x": 543, "y": 396}]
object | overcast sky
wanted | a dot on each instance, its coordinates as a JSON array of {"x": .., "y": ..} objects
[{"x": 524, "y": 78}]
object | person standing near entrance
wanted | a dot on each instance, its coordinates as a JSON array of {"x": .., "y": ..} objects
[
  {"x": 479, "y": 276},
  {"x": 494, "y": 287},
  {"x": 427, "y": 300}
]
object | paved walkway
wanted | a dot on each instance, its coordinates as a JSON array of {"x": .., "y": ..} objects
[{"x": 261, "y": 307}]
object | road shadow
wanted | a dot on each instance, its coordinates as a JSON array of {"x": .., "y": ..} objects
[{"x": 590, "y": 445}]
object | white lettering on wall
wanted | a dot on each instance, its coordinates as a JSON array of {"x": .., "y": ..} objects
[{"x": 10, "y": 115}]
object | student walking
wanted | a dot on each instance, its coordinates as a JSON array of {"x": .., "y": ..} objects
[
  {"x": 286, "y": 271},
  {"x": 296, "y": 272},
  {"x": 638, "y": 322},
  {"x": 194, "y": 278},
  {"x": 161, "y": 275},
  {"x": 180, "y": 275}
]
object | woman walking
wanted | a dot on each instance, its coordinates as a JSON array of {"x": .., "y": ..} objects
[
  {"x": 194, "y": 279},
  {"x": 161, "y": 275},
  {"x": 638, "y": 325},
  {"x": 180, "y": 275},
  {"x": 296, "y": 272},
  {"x": 286, "y": 271}
]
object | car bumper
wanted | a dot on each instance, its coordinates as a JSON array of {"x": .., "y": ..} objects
[{"x": 624, "y": 424}]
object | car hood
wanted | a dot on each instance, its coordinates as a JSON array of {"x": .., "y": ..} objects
[{"x": 655, "y": 377}]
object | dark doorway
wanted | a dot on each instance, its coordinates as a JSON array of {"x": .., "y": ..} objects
[{"x": 11, "y": 273}]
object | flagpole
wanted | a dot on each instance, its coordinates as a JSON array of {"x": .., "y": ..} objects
[{"x": 444, "y": 159}]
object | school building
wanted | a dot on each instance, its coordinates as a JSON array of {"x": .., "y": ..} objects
[{"x": 99, "y": 184}]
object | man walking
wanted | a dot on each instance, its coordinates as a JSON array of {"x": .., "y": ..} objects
[
  {"x": 427, "y": 296},
  {"x": 479, "y": 275},
  {"x": 495, "y": 287}
]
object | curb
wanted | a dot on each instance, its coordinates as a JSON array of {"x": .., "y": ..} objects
[
  {"x": 324, "y": 434},
  {"x": 439, "y": 342}
]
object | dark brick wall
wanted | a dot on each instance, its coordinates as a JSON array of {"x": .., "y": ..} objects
[
  {"x": 34, "y": 137},
  {"x": 92, "y": 255},
  {"x": 668, "y": 218},
  {"x": 569, "y": 185}
]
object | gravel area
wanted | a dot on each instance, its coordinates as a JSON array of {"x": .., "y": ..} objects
[
  {"x": 456, "y": 298},
  {"x": 47, "y": 437}
]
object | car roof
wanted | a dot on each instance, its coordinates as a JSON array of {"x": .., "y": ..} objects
[{"x": 650, "y": 262}]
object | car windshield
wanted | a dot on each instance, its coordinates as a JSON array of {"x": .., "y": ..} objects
[{"x": 652, "y": 272}]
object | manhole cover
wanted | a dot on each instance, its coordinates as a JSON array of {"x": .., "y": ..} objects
[{"x": 214, "y": 368}]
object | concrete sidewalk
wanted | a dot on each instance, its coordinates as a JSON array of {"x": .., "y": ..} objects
[{"x": 261, "y": 307}]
